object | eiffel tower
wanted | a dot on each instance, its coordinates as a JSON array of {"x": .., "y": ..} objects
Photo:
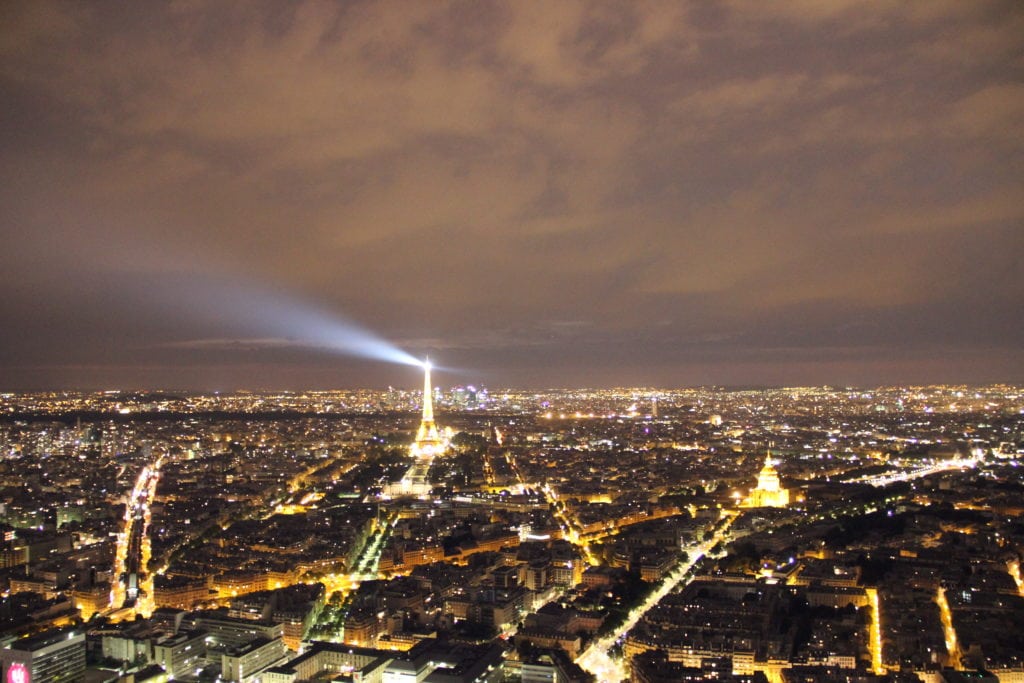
[{"x": 428, "y": 441}]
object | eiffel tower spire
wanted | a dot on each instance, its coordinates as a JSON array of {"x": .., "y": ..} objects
[{"x": 428, "y": 399}]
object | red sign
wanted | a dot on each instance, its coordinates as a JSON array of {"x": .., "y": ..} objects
[{"x": 17, "y": 673}]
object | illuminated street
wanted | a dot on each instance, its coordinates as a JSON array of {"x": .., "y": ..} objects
[
  {"x": 365, "y": 568},
  {"x": 917, "y": 473},
  {"x": 875, "y": 632},
  {"x": 569, "y": 525},
  {"x": 596, "y": 660},
  {"x": 133, "y": 548},
  {"x": 952, "y": 647}
]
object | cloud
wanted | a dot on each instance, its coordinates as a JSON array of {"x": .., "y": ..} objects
[
  {"x": 462, "y": 173},
  {"x": 238, "y": 344}
]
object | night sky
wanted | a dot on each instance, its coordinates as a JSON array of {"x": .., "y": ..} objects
[{"x": 537, "y": 194}]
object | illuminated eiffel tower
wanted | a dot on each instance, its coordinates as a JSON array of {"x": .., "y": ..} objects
[{"x": 429, "y": 441}]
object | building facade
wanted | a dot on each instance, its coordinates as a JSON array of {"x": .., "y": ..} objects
[{"x": 52, "y": 657}]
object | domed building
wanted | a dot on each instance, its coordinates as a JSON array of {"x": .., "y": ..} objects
[{"x": 769, "y": 492}]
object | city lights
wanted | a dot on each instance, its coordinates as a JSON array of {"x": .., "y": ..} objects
[
  {"x": 875, "y": 637},
  {"x": 422, "y": 512},
  {"x": 723, "y": 309}
]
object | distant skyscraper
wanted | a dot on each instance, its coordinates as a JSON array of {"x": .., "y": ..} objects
[{"x": 460, "y": 397}]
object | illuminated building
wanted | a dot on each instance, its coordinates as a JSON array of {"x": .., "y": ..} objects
[
  {"x": 182, "y": 653},
  {"x": 322, "y": 657},
  {"x": 428, "y": 441},
  {"x": 51, "y": 656},
  {"x": 233, "y": 584},
  {"x": 229, "y": 632},
  {"x": 243, "y": 664},
  {"x": 436, "y": 661},
  {"x": 179, "y": 592},
  {"x": 769, "y": 492},
  {"x": 92, "y": 599}
]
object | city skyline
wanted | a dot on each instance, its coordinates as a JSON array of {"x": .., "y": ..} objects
[
  {"x": 772, "y": 536},
  {"x": 215, "y": 197}
]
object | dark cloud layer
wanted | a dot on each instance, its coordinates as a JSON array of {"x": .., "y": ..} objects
[{"x": 545, "y": 194}]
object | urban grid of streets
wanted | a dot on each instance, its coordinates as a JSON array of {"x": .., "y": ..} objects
[
  {"x": 595, "y": 659},
  {"x": 947, "y": 430}
]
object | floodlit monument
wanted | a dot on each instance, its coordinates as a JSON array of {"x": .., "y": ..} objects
[
  {"x": 769, "y": 492},
  {"x": 429, "y": 441},
  {"x": 428, "y": 444}
]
